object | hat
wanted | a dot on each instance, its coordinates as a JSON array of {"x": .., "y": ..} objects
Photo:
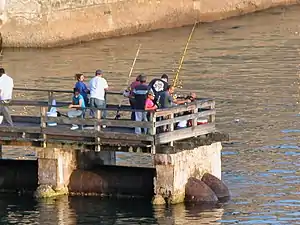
[
  {"x": 150, "y": 92},
  {"x": 98, "y": 72}
]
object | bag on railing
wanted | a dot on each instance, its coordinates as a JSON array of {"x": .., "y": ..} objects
[{"x": 52, "y": 113}]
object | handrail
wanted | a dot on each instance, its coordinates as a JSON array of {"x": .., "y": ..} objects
[{"x": 58, "y": 91}]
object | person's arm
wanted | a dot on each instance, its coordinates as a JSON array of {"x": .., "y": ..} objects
[
  {"x": 105, "y": 85},
  {"x": 178, "y": 102}
]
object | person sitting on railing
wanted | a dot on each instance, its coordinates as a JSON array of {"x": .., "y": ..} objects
[
  {"x": 140, "y": 95},
  {"x": 81, "y": 86},
  {"x": 79, "y": 105}
]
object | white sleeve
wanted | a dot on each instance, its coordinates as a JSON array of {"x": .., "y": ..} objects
[{"x": 105, "y": 84}]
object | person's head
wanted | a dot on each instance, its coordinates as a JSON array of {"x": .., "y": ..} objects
[
  {"x": 165, "y": 77},
  {"x": 193, "y": 95},
  {"x": 143, "y": 79},
  {"x": 138, "y": 77},
  {"x": 2, "y": 71},
  {"x": 150, "y": 95},
  {"x": 79, "y": 77},
  {"x": 170, "y": 89},
  {"x": 98, "y": 73},
  {"x": 76, "y": 91}
]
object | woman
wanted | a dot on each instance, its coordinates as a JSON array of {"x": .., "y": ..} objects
[{"x": 81, "y": 86}]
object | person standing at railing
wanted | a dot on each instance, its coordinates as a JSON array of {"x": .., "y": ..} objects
[
  {"x": 159, "y": 86},
  {"x": 98, "y": 86},
  {"x": 129, "y": 94},
  {"x": 140, "y": 95},
  {"x": 81, "y": 86},
  {"x": 6, "y": 89},
  {"x": 78, "y": 104}
]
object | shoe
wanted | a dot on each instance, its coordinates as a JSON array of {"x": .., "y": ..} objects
[{"x": 74, "y": 127}]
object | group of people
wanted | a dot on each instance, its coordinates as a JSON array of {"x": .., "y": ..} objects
[
  {"x": 157, "y": 94},
  {"x": 97, "y": 91},
  {"x": 143, "y": 97}
]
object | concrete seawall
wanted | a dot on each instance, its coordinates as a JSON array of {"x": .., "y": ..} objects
[{"x": 48, "y": 23}]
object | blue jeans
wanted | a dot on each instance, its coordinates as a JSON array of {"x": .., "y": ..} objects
[
  {"x": 99, "y": 104},
  {"x": 141, "y": 116}
]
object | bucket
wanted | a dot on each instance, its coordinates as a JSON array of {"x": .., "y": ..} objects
[{"x": 52, "y": 114}]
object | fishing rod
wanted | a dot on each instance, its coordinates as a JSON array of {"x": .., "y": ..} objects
[
  {"x": 175, "y": 80},
  {"x": 128, "y": 80}
]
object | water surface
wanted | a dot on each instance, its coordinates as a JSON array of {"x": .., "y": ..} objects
[{"x": 250, "y": 65}]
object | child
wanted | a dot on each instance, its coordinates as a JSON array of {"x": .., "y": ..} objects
[
  {"x": 78, "y": 103},
  {"x": 149, "y": 104}
]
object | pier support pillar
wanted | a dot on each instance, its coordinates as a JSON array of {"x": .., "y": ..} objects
[
  {"x": 174, "y": 169},
  {"x": 55, "y": 166}
]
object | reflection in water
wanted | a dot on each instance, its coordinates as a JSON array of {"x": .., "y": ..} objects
[
  {"x": 250, "y": 70},
  {"x": 93, "y": 210}
]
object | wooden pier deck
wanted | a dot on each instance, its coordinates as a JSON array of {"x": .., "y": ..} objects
[{"x": 33, "y": 130}]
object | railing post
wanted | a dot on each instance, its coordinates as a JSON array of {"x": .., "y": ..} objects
[
  {"x": 153, "y": 131},
  {"x": 171, "y": 127},
  {"x": 97, "y": 130},
  {"x": 212, "y": 117},
  {"x": 43, "y": 113}
]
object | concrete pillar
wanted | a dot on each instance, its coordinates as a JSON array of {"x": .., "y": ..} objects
[
  {"x": 55, "y": 167},
  {"x": 174, "y": 170}
]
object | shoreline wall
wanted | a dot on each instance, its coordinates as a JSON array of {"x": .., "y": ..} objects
[{"x": 51, "y": 23}]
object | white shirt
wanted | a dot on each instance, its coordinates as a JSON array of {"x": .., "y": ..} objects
[
  {"x": 6, "y": 87},
  {"x": 97, "y": 86}
]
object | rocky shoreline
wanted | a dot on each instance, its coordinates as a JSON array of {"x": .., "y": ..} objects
[{"x": 56, "y": 23}]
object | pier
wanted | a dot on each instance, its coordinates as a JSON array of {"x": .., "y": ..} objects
[{"x": 176, "y": 155}]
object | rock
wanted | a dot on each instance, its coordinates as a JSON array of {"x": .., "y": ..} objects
[
  {"x": 218, "y": 186},
  {"x": 158, "y": 200},
  {"x": 196, "y": 191},
  {"x": 46, "y": 191}
]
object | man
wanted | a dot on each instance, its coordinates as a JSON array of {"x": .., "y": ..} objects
[
  {"x": 78, "y": 104},
  {"x": 6, "y": 89},
  {"x": 140, "y": 95},
  {"x": 159, "y": 86},
  {"x": 98, "y": 87},
  {"x": 167, "y": 99}
]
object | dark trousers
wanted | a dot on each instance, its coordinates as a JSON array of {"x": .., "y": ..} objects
[{"x": 131, "y": 101}]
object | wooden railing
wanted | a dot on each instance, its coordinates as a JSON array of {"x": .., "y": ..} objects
[{"x": 117, "y": 132}]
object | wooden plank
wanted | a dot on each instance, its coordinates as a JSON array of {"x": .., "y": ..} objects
[
  {"x": 126, "y": 136},
  {"x": 186, "y": 117},
  {"x": 107, "y": 122},
  {"x": 175, "y": 109},
  {"x": 31, "y": 129},
  {"x": 26, "y": 119},
  {"x": 184, "y": 133}
]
